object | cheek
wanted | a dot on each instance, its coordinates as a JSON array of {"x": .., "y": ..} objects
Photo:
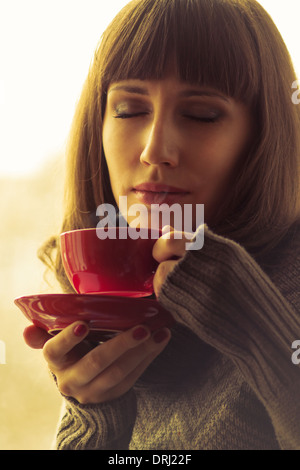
[
  {"x": 110, "y": 142},
  {"x": 111, "y": 152},
  {"x": 119, "y": 148},
  {"x": 120, "y": 155},
  {"x": 226, "y": 159},
  {"x": 215, "y": 158},
  {"x": 227, "y": 151},
  {"x": 112, "y": 145}
]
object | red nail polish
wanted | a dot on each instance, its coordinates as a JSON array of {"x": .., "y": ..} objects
[
  {"x": 80, "y": 330},
  {"x": 139, "y": 333},
  {"x": 160, "y": 336}
]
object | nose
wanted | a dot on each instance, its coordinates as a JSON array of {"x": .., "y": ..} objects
[{"x": 160, "y": 144}]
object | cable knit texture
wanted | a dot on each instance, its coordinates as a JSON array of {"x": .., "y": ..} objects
[
  {"x": 226, "y": 380},
  {"x": 115, "y": 421}
]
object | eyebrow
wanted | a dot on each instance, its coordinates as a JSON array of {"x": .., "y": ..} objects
[
  {"x": 185, "y": 93},
  {"x": 130, "y": 89},
  {"x": 214, "y": 94}
]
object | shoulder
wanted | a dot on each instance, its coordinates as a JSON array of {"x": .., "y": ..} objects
[
  {"x": 287, "y": 251},
  {"x": 283, "y": 265}
]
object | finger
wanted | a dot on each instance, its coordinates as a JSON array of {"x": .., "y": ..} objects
[
  {"x": 104, "y": 355},
  {"x": 170, "y": 232},
  {"x": 122, "y": 375},
  {"x": 115, "y": 374},
  {"x": 170, "y": 245},
  {"x": 167, "y": 229},
  {"x": 135, "y": 374},
  {"x": 35, "y": 337},
  {"x": 57, "y": 348}
]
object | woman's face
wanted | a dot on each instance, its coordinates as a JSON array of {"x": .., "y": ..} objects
[{"x": 166, "y": 141}]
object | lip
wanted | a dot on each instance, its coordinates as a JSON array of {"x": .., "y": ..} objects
[
  {"x": 159, "y": 188},
  {"x": 156, "y": 193}
]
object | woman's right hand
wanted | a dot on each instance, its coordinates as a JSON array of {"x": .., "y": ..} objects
[{"x": 103, "y": 373}]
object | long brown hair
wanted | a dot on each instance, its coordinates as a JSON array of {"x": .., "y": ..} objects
[{"x": 232, "y": 45}]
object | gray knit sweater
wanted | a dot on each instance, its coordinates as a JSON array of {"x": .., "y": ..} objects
[{"x": 226, "y": 379}]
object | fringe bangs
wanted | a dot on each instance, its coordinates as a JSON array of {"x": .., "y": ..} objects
[{"x": 203, "y": 47}]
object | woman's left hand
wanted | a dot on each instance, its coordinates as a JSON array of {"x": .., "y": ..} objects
[{"x": 168, "y": 251}]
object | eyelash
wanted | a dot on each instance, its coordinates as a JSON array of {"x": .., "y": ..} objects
[
  {"x": 205, "y": 120},
  {"x": 193, "y": 118},
  {"x": 128, "y": 116}
]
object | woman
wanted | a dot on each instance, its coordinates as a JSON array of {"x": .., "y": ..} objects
[{"x": 191, "y": 99}]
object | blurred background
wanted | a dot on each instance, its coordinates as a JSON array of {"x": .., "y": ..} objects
[{"x": 45, "y": 50}]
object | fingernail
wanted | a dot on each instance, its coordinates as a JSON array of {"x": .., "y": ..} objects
[
  {"x": 139, "y": 333},
  {"x": 160, "y": 336},
  {"x": 80, "y": 330}
]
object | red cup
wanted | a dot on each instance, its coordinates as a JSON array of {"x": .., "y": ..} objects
[{"x": 121, "y": 263}]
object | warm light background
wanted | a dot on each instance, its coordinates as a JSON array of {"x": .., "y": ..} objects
[{"x": 45, "y": 50}]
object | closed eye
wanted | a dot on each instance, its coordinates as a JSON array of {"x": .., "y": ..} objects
[
  {"x": 129, "y": 115},
  {"x": 205, "y": 119},
  {"x": 193, "y": 118}
]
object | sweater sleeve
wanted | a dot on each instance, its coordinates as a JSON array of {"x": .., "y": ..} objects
[
  {"x": 104, "y": 426},
  {"x": 224, "y": 296}
]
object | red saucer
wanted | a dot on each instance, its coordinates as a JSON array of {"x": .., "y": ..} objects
[{"x": 105, "y": 315}]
